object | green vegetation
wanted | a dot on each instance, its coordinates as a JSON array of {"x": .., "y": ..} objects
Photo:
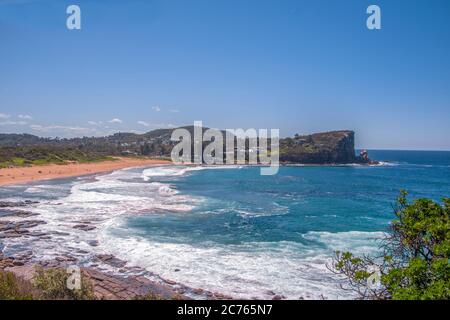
[
  {"x": 41, "y": 155},
  {"x": 53, "y": 285},
  {"x": 12, "y": 288},
  {"x": 415, "y": 263},
  {"x": 49, "y": 284}
]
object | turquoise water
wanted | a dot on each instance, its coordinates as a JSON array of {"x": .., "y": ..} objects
[{"x": 231, "y": 230}]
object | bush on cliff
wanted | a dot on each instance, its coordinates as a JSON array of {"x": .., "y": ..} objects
[
  {"x": 48, "y": 284},
  {"x": 13, "y": 288},
  {"x": 415, "y": 260},
  {"x": 53, "y": 285}
]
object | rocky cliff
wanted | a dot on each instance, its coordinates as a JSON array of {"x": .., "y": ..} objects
[{"x": 334, "y": 147}]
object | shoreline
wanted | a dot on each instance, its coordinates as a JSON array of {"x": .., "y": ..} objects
[
  {"x": 21, "y": 175},
  {"x": 112, "y": 278}
]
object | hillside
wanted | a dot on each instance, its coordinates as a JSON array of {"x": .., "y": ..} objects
[{"x": 24, "y": 149}]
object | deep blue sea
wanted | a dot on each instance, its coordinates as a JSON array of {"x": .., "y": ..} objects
[{"x": 229, "y": 229}]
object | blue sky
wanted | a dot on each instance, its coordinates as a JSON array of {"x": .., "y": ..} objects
[{"x": 300, "y": 66}]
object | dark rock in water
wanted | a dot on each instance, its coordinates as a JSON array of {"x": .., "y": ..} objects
[
  {"x": 84, "y": 227},
  {"x": 37, "y": 234},
  {"x": 93, "y": 243},
  {"x": 270, "y": 293},
  {"x": 176, "y": 270},
  {"x": 9, "y": 235},
  {"x": 198, "y": 291},
  {"x": 65, "y": 259},
  {"x": 278, "y": 297},
  {"x": 111, "y": 260},
  {"x": 18, "y": 213},
  {"x": 16, "y": 229},
  {"x": 171, "y": 282},
  {"x": 7, "y": 204},
  {"x": 59, "y": 233},
  {"x": 221, "y": 296}
]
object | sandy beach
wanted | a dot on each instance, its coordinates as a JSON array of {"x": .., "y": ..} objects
[{"x": 18, "y": 175}]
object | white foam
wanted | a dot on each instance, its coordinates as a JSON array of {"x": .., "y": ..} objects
[
  {"x": 102, "y": 201},
  {"x": 42, "y": 188},
  {"x": 147, "y": 174},
  {"x": 248, "y": 270},
  {"x": 359, "y": 242},
  {"x": 386, "y": 164}
]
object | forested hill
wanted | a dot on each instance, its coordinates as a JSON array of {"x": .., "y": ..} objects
[{"x": 24, "y": 149}]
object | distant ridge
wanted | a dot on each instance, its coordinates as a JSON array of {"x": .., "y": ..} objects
[{"x": 333, "y": 147}]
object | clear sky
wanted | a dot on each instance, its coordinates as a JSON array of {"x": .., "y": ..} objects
[{"x": 300, "y": 66}]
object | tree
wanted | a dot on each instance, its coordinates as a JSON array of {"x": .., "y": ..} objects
[{"x": 415, "y": 259}]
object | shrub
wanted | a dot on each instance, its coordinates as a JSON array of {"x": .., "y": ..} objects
[
  {"x": 53, "y": 285},
  {"x": 415, "y": 260},
  {"x": 13, "y": 288}
]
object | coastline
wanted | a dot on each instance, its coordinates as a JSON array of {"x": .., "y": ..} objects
[
  {"x": 119, "y": 280},
  {"x": 130, "y": 282},
  {"x": 20, "y": 175}
]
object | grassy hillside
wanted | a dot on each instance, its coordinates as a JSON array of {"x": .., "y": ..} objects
[{"x": 40, "y": 155}]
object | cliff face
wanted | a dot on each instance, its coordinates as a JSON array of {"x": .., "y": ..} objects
[{"x": 320, "y": 148}]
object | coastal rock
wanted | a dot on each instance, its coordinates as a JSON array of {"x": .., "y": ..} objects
[
  {"x": 84, "y": 227},
  {"x": 335, "y": 147},
  {"x": 171, "y": 282},
  {"x": 111, "y": 260},
  {"x": 15, "y": 229},
  {"x": 220, "y": 296},
  {"x": 105, "y": 285},
  {"x": 111, "y": 287},
  {"x": 18, "y": 213},
  {"x": 25, "y": 272},
  {"x": 93, "y": 243},
  {"x": 65, "y": 259},
  {"x": 8, "y": 204},
  {"x": 198, "y": 291}
]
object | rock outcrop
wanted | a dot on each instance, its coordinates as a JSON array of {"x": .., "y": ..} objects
[{"x": 334, "y": 147}]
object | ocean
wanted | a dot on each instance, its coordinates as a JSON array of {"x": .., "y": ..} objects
[{"x": 229, "y": 229}]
